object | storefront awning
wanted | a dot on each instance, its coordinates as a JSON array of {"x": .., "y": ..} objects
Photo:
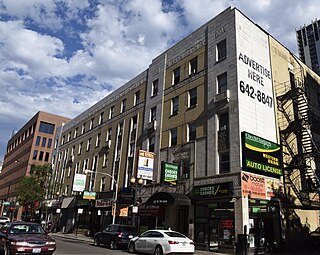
[
  {"x": 164, "y": 198},
  {"x": 67, "y": 202}
]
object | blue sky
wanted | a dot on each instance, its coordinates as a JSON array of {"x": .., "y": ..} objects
[{"x": 62, "y": 56}]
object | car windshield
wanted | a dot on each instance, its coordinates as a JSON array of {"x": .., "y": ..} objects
[
  {"x": 26, "y": 229},
  {"x": 175, "y": 234}
]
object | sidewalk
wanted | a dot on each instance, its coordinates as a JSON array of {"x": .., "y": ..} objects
[{"x": 89, "y": 240}]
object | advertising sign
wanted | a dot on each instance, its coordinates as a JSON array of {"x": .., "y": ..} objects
[
  {"x": 255, "y": 86},
  {"x": 103, "y": 203},
  {"x": 79, "y": 182},
  {"x": 259, "y": 186},
  {"x": 145, "y": 165},
  {"x": 253, "y": 186},
  {"x": 91, "y": 195},
  {"x": 170, "y": 173},
  {"x": 261, "y": 156},
  {"x": 212, "y": 190}
]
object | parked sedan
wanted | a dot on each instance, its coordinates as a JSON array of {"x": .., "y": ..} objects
[
  {"x": 115, "y": 236},
  {"x": 160, "y": 242},
  {"x": 314, "y": 238},
  {"x": 25, "y": 238},
  {"x": 4, "y": 219}
]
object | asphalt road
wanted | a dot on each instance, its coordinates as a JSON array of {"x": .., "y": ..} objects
[{"x": 75, "y": 247}]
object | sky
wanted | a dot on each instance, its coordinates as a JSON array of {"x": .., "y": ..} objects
[{"x": 63, "y": 56}]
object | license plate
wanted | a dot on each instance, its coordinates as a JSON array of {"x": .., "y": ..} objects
[
  {"x": 36, "y": 250},
  {"x": 130, "y": 236},
  {"x": 184, "y": 243}
]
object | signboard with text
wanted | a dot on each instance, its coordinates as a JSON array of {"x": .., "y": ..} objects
[
  {"x": 145, "y": 165},
  {"x": 79, "y": 182},
  {"x": 212, "y": 191},
  {"x": 91, "y": 195},
  {"x": 255, "y": 85},
  {"x": 170, "y": 173},
  {"x": 261, "y": 156}
]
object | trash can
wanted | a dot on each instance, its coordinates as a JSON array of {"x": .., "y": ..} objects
[{"x": 242, "y": 245}]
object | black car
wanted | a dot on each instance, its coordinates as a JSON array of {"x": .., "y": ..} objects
[{"x": 115, "y": 236}]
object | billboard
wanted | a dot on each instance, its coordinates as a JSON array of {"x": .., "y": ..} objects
[
  {"x": 170, "y": 173},
  {"x": 261, "y": 156},
  {"x": 91, "y": 195},
  {"x": 259, "y": 186},
  {"x": 255, "y": 87},
  {"x": 145, "y": 165},
  {"x": 79, "y": 182}
]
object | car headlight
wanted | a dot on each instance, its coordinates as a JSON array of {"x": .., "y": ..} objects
[
  {"x": 21, "y": 243},
  {"x": 50, "y": 242}
]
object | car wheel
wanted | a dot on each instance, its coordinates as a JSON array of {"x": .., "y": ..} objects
[
  {"x": 96, "y": 241},
  {"x": 113, "y": 245},
  {"x": 132, "y": 248},
  {"x": 158, "y": 250}
]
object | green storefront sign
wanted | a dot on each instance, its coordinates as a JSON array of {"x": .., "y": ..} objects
[
  {"x": 212, "y": 191},
  {"x": 261, "y": 156},
  {"x": 170, "y": 173}
]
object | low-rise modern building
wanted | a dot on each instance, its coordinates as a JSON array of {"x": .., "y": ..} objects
[
  {"x": 222, "y": 129},
  {"x": 32, "y": 144}
]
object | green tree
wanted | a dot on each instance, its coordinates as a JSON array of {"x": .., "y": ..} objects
[{"x": 31, "y": 190}]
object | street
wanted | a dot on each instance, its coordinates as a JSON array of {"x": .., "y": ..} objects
[{"x": 77, "y": 247}]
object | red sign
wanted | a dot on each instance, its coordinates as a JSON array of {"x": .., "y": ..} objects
[{"x": 253, "y": 185}]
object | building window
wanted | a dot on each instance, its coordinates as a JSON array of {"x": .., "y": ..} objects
[
  {"x": 105, "y": 159},
  {"x": 192, "y": 97},
  {"x": 176, "y": 76},
  {"x": 41, "y": 155},
  {"x": 193, "y": 66},
  {"x": 75, "y": 133},
  {"x": 83, "y": 129},
  {"x": 173, "y": 137},
  {"x": 222, "y": 50},
  {"x": 175, "y": 105},
  {"x": 154, "y": 88},
  {"x": 38, "y": 140},
  {"x": 123, "y": 105},
  {"x": 44, "y": 142},
  {"x": 35, "y": 155},
  {"x": 111, "y": 112},
  {"x": 91, "y": 124},
  {"x": 46, "y": 158},
  {"x": 109, "y": 133},
  {"x": 69, "y": 137},
  {"x": 103, "y": 184},
  {"x": 151, "y": 142},
  {"x": 62, "y": 140},
  {"x": 185, "y": 166},
  {"x": 224, "y": 121},
  {"x": 192, "y": 132},
  {"x": 137, "y": 98},
  {"x": 76, "y": 168},
  {"x": 224, "y": 160},
  {"x": 80, "y": 148},
  {"x": 101, "y": 118},
  {"x": 47, "y": 128},
  {"x": 49, "y": 143},
  {"x": 89, "y": 144},
  {"x": 222, "y": 82},
  {"x": 98, "y": 140},
  {"x": 153, "y": 112}
]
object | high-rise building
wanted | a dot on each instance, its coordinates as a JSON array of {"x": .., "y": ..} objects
[
  {"x": 32, "y": 144},
  {"x": 204, "y": 127},
  {"x": 309, "y": 45}
]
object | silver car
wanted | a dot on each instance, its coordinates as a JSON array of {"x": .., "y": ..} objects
[{"x": 4, "y": 220}]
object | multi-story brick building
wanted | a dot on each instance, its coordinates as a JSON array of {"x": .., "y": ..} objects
[
  {"x": 32, "y": 144},
  {"x": 211, "y": 112}
]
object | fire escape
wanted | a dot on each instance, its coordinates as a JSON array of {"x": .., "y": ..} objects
[{"x": 300, "y": 152}]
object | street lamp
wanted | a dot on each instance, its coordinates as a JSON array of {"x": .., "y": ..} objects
[
  {"x": 136, "y": 183},
  {"x": 116, "y": 193}
]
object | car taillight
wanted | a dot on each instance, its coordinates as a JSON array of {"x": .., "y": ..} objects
[
  {"x": 192, "y": 243},
  {"x": 173, "y": 242},
  {"x": 120, "y": 234}
]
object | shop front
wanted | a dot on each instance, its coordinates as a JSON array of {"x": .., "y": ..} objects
[{"x": 174, "y": 212}]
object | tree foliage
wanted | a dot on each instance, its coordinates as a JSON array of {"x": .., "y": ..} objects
[{"x": 31, "y": 190}]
